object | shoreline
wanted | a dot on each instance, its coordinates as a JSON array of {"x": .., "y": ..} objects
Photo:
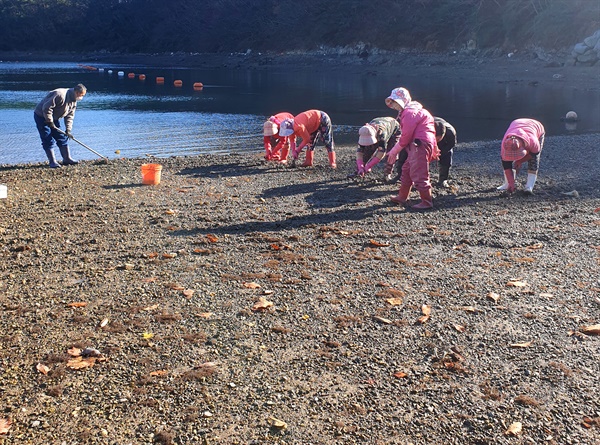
[{"x": 531, "y": 66}]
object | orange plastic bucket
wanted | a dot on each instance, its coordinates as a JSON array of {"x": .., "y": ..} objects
[{"x": 151, "y": 174}]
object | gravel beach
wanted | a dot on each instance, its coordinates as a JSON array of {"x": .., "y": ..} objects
[
  {"x": 236, "y": 292},
  {"x": 241, "y": 302}
]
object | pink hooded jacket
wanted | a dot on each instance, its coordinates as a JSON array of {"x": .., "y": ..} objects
[
  {"x": 528, "y": 130},
  {"x": 416, "y": 123}
]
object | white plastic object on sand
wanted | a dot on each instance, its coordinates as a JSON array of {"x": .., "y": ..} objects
[{"x": 3, "y": 191}]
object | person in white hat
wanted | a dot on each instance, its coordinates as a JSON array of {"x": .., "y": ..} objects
[
  {"x": 522, "y": 142},
  {"x": 419, "y": 141},
  {"x": 375, "y": 139},
  {"x": 277, "y": 147}
]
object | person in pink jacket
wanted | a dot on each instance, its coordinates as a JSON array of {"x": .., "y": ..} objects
[
  {"x": 418, "y": 139},
  {"x": 523, "y": 141},
  {"x": 309, "y": 126},
  {"x": 271, "y": 137}
]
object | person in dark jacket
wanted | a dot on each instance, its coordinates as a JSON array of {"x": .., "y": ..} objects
[
  {"x": 58, "y": 104},
  {"x": 445, "y": 135}
]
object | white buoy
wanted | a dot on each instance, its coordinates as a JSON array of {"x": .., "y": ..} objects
[
  {"x": 100, "y": 70},
  {"x": 110, "y": 71},
  {"x": 121, "y": 73},
  {"x": 571, "y": 116}
]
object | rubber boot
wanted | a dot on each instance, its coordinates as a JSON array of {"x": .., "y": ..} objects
[
  {"x": 285, "y": 151},
  {"x": 426, "y": 201},
  {"x": 51, "y": 159},
  {"x": 531, "y": 178},
  {"x": 331, "y": 155},
  {"x": 505, "y": 186},
  {"x": 443, "y": 178},
  {"x": 403, "y": 193},
  {"x": 308, "y": 162},
  {"x": 66, "y": 155}
]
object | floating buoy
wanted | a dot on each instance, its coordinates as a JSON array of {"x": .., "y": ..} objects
[
  {"x": 178, "y": 83},
  {"x": 571, "y": 116},
  {"x": 121, "y": 73},
  {"x": 131, "y": 75},
  {"x": 88, "y": 67},
  {"x": 198, "y": 85},
  {"x": 142, "y": 77},
  {"x": 110, "y": 71},
  {"x": 101, "y": 70},
  {"x": 160, "y": 80}
]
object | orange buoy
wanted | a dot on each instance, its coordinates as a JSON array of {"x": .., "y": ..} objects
[
  {"x": 131, "y": 75},
  {"x": 198, "y": 85},
  {"x": 160, "y": 80},
  {"x": 178, "y": 83},
  {"x": 142, "y": 77}
]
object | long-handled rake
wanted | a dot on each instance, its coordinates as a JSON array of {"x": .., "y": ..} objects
[{"x": 83, "y": 145}]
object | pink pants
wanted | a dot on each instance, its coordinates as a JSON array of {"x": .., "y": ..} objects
[{"x": 415, "y": 170}]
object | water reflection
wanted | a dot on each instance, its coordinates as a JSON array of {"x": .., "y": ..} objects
[{"x": 140, "y": 117}]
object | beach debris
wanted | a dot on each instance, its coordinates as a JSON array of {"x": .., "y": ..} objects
[
  {"x": 4, "y": 426},
  {"x": 262, "y": 305},
  {"x": 42, "y": 368},
  {"x": 276, "y": 423},
  {"x": 591, "y": 330},
  {"x": 522, "y": 345},
  {"x": 573, "y": 193},
  {"x": 514, "y": 429},
  {"x": 426, "y": 310}
]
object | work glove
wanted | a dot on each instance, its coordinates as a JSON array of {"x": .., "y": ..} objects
[
  {"x": 69, "y": 134},
  {"x": 51, "y": 125},
  {"x": 388, "y": 169}
]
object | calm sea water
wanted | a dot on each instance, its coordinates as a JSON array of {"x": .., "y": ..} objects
[{"x": 139, "y": 118}]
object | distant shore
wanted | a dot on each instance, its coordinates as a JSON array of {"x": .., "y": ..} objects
[{"x": 531, "y": 66}]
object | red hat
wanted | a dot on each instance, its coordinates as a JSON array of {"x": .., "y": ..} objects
[{"x": 513, "y": 149}]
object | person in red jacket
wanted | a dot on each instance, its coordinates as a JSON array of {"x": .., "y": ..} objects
[
  {"x": 277, "y": 147},
  {"x": 522, "y": 142},
  {"x": 419, "y": 141},
  {"x": 309, "y": 126}
]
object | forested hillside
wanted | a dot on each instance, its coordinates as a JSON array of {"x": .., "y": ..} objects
[{"x": 285, "y": 25}]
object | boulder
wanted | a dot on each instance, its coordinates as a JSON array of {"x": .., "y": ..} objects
[
  {"x": 592, "y": 40},
  {"x": 580, "y": 48}
]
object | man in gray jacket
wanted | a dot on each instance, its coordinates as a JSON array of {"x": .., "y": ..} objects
[{"x": 59, "y": 103}]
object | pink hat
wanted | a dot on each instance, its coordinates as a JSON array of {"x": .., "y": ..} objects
[
  {"x": 367, "y": 135},
  {"x": 513, "y": 149},
  {"x": 287, "y": 127},
  {"x": 269, "y": 128},
  {"x": 399, "y": 95}
]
